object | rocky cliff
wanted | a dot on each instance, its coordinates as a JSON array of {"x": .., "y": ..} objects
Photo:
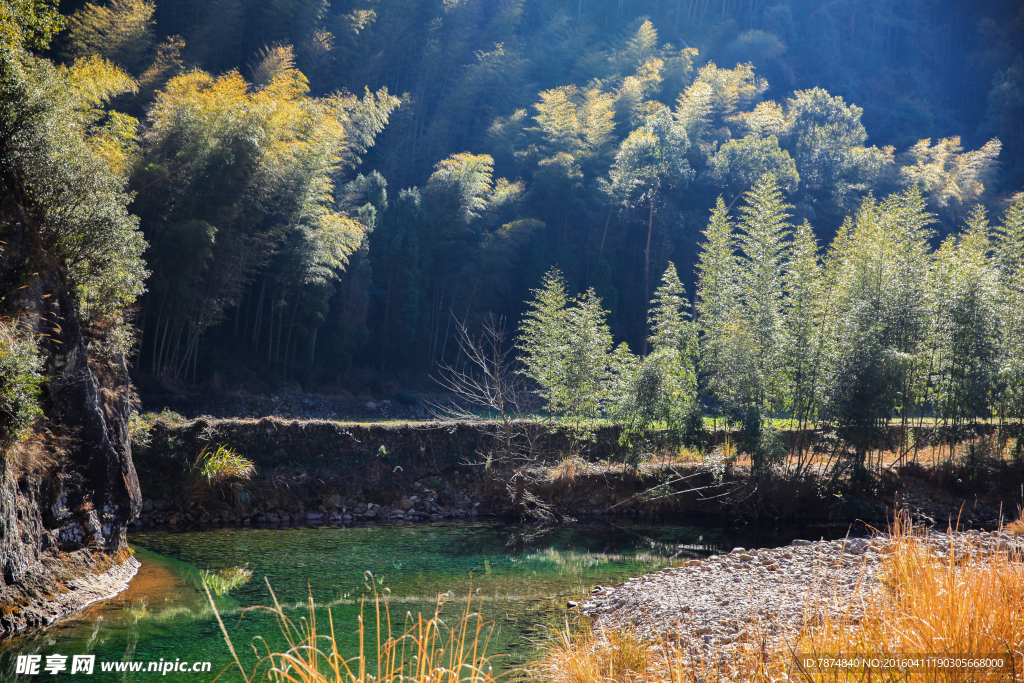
[{"x": 68, "y": 492}]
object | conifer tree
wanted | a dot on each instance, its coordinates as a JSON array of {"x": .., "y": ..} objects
[
  {"x": 1009, "y": 257},
  {"x": 764, "y": 240},
  {"x": 565, "y": 345},
  {"x": 718, "y": 289},
  {"x": 964, "y": 331}
]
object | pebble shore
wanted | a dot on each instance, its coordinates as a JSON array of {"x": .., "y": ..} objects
[{"x": 718, "y": 603}]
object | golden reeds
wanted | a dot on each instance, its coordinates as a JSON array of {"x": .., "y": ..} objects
[{"x": 427, "y": 651}]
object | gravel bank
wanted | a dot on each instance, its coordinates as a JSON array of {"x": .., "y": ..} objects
[
  {"x": 39, "y": 608},
  {"x": 723, "y": 601}
]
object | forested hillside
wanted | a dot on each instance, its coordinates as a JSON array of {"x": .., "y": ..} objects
[{"x": 333, "y": 188}]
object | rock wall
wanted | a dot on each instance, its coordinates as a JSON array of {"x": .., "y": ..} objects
[
  {"x": 304, "y": 466},
  {"x": 322, "y": 471},
  {"x": 68, "y": 494}
]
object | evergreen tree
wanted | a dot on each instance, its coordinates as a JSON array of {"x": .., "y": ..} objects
[
  {"x": 764, "y": 239},
  {"x": 877, "y": 319},
  {"x": 964, "y": 293},
  {"x": 651, "y": 155},
  {"x": 565, "y": 345},
  {"x": 718, "y": 292},
  {"x": 1009, "y": 258}
]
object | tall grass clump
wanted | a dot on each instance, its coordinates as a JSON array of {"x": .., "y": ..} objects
[
  {"x": 222, "y": 474},
  {"x": 1016, "y": 527},
  {"x": 427, "y": 651}
]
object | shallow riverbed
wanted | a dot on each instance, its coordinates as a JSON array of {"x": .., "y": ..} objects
[{"x": 520, "y": 578}]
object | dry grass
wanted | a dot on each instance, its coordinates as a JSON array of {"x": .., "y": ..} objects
[
  {"x": 427, "y": 651},
  {"x": 684, "y": 456},
  {"x": 37, "y": 456},
  {"x": 570, "y": 469},
  {"x": 966, "y": 601},
  {"x": 622, "y": 657},
  {"x": 1016, "y": 527}
]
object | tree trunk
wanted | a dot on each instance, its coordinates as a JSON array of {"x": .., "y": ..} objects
[
  {"x": 387, "y": 311},
  {"x": 647, "y": 264},
  {"x": 270, "y": 335},
  {"x": 259, "y": 316}
]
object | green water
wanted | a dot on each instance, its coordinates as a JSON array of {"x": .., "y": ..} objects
[{"x": 520, "y": 580}]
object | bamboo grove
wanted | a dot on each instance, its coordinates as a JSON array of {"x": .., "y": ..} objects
[
  {"x": 328, "y": 191},
  {"x": 877, "y": 328}
]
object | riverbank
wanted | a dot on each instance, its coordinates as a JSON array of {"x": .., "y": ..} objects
[
  {"x": 64, "y": 584},
  {"x": 714, "y": 604},
  {"x": 324, "y": 472},
  {"x": 770, "y": 615}
]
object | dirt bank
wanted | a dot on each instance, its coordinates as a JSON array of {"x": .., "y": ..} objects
[{"x": 333, "y": 472}]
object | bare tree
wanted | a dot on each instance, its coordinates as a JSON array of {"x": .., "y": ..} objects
[{"x": 487, "y": 385}]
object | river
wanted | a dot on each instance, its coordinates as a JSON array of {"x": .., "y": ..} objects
[{"x": 520, "y": 579}]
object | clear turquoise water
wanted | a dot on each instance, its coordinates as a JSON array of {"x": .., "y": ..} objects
[{"x": 520, "y": 579}]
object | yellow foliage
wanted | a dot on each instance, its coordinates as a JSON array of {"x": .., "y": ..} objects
[
  {"x": 117, "y": 141},
  {"x": 120, "y": 30},
  {"x": 94, "y": 81},
  {"x": 285, "y": 140},
  {"x": 573, "y": 121},
  {"x": 557, "y": 116},
  {"x": 947, "y": 173},
  {"x": 719, "y": 92}
]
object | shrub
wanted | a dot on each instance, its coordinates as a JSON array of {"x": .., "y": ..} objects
[
  {"x": 763, "y": 442},
  {"x": 138, "y": 430},
  {"x": 19, "y": 384}
]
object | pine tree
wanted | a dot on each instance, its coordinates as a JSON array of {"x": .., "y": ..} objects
[
  {"x": 764, "y": 239},
  {"x": 1009, "y": 255},
  {"x": 565, "y": 345},
  {"x": 540, "y": 339},
  {"x": 965, "y": 335},
  {"x": 718, "y": 292},
  {"x": 807, "y": 295}
]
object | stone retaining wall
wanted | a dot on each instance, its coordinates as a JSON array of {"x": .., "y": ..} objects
[{"x": 334, "y": 471}]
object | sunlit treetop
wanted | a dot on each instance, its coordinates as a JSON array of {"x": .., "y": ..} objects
[{"x": 28, "y": 23}]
